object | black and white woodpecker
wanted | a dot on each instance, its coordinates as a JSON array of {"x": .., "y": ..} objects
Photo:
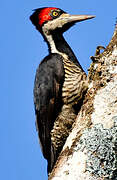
[{"x": 60, "y": 82}]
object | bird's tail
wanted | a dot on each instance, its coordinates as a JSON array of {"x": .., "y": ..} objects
[{"x": 52, "y": 159}]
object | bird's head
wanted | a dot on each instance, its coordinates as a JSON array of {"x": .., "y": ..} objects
[{"x": 51, "y": 18}]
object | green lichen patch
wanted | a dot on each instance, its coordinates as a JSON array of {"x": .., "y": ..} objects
[{"x": 101, "y": 147}]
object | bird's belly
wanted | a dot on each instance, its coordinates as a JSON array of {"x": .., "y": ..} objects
[
  {"x": 74, "y": 85},
  {"x": 62, "y": 127},
  {"x": 72, "y": 91}
]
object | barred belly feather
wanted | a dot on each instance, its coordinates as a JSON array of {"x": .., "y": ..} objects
[{"x": 75, "y": 84}]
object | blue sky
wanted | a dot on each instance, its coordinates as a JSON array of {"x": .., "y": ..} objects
[{"x": 21, "y": 49}]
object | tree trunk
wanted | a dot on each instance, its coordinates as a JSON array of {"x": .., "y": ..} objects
[{"x": 90, "y": 151}]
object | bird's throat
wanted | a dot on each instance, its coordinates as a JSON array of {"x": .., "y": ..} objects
[{"x": 57, "y": 44}]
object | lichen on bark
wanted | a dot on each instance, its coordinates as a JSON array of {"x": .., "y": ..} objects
[{"x": 101, "y": 147}]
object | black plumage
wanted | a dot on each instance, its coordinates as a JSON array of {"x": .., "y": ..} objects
[
  {"x": 47, "y": 98},
  {"x": 60, "y": 82}
]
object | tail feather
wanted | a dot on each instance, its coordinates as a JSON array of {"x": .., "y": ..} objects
[{"x": 52, "y": 159}]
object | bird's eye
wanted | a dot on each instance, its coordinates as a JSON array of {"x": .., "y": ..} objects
[{"x": 55, "y": 13}]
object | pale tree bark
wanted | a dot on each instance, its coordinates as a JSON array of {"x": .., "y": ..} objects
[{"x": 90, "y": 152}]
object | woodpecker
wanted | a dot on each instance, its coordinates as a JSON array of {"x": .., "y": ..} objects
[{"x": 60, "y": 82}]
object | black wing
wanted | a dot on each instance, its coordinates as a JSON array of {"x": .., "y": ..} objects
[{"x": 48, "y": 100}]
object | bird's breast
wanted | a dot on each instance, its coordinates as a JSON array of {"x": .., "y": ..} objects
[
  {"x": 74, "y": 83},
  {"x": 72, "y": 91}
]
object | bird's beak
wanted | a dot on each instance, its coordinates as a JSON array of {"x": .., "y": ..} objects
[
  {"x": 76, "y": 18},
  {"x": 65, "y": 21}
]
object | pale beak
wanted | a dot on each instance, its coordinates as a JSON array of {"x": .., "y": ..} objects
[{"x": 76, "y": 18}]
